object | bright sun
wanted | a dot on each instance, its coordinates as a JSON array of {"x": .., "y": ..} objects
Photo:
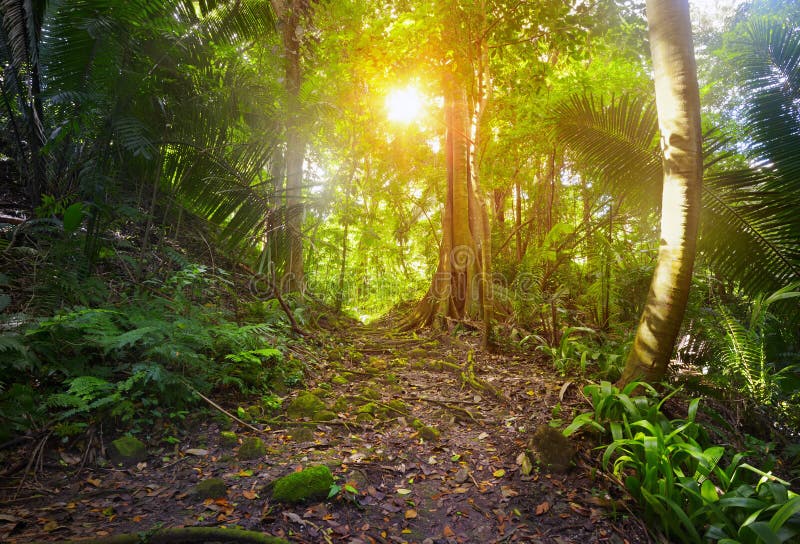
[{"x": 404, "y": 105}]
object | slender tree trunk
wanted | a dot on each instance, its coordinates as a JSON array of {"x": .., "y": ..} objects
[
  {"x": 518, "y": 219},
  {"x": 678, "y": 104}
]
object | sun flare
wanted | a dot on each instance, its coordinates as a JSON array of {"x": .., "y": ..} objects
[{"x": 404, "y": 105}]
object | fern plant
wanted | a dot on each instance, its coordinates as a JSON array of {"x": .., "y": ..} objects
[{"x": 746, "y": 352}]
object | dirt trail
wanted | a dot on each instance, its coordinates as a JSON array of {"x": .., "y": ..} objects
[{"x": 425, "y": 446}]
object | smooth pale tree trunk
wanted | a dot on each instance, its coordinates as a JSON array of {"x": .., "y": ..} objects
[{"x": 678, "y": 104}]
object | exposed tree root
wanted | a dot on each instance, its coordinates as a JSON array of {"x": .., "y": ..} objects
[
  {"x": 467, "y": 375},
  {"x": 183, "y": 535},
  {"x": 457, "y": 409}
]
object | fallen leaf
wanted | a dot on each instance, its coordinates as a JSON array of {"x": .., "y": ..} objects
[
  {"x": 499, "y": 473},
  {"x": 411, "y": 514},
  {"x": 461, "y": 476},
  {"x": 51, "y": 526},
  {"x": 483, "y": 436},
  {"x": 403, "y": 491},
  {"x": 137, "y": 519},
  {"x": 563, "y": 390},
  {"x": 95, "y": 482},
  {"x": 249, "y": 495},
  {"x": 508, "y": 492},
  {"x": 196, "y": 451},
  {"x": 542, "y": 508},
  {"x": 447, "y": 532}
]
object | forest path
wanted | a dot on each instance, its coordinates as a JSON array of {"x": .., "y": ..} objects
[{"x": 426, "y": 446}]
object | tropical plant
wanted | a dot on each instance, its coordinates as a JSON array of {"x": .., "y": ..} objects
[
  {"x": 689, "y": 488},
  {"x": 95, "y": 96},
  {"x": 748, "y": 212}
]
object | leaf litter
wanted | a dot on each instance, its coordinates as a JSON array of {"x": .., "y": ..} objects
[{"x": 472, "y": 480}]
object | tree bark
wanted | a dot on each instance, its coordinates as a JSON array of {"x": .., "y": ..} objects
[
  {"x": 455, "y": 291},
  {"x": 678, "y": 104},
  {"x": 289, "y": 14}
]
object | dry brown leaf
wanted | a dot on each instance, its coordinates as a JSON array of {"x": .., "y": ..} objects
[
  {"x": 249, "y": 495},
  {"x": 411, "y": 514},
  {"x": 542, "y": 508},
  {"x": 447, "y": 532}
]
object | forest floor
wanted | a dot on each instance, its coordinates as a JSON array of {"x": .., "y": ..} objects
[{"x": 400, "y": 483}]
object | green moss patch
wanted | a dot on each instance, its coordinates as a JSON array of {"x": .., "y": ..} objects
[
  {"x": 212, "y": 488},
  {"x": 301, "y": 434},
  {"x": 228, "y": 438},
  {"x": 252, "y": 448},
  {"x": 127, "y": 450},
  {"x": 305, "y": 405},
  {"x": 370, "y": 393},
  {"x": 313, "y": 483}
]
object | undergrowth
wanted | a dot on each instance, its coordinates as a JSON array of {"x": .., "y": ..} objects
[
  {"x": 138, "y": 360},
  {"x": 688, "y": 488}
]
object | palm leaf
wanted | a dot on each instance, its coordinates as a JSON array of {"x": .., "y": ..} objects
[{"x": 741, "y": 222}]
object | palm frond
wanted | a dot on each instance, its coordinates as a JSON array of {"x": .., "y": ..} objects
[
  {"x": 748, "y": 231},
  {"x": 614, "y": 143},
  {"x": 769, "y": 64}
]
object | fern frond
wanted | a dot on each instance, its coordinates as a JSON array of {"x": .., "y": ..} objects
[{"x": 89, "y": 388}]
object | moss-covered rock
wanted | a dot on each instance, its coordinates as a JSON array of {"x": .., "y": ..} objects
[
  {"x": 228, "y": 438},
  {"x": 252, "y": 448},
  {"x": 378, "y": 364},
  {"x": 305, "y": 405},
  {"x": 370, "y": 393},
  {"x": 313, "y": 483},
  {"x": 390, "y": 378},
  {"x": 320, "y": 393},
  {"x": 429, "y": 433},
  {"x": 325, "y": 415},
  {"x": 212, "y": 488},
  {"x": 365, "y": 418},
  {"x": 339, "y": 380},
  {"x": 398, "y": 406},
  {"x": 254, "y": 412},
  {"x": 127, "y": 450},
  {"x": 340, "y": 405},
  {"x": 302, "y": 434},
  {"x": 368, "y": 408},
  {"x": 552, "y": 449}
]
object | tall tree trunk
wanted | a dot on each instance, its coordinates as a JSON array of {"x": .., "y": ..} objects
[
  {"x": 289, "y": 13},
  {"x": 678, "y": 104},
  {"x": 518, "y": 220},
  {"x": 455, "y": 292}
]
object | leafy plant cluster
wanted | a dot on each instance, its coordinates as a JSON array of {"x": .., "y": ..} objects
[
  {"x": 137, "y": 361},
  {"x": 688, "y": 487}
]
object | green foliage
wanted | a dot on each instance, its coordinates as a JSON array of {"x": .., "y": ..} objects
[
  {"x": 687, "y": 487},
  {"x": 570, "y": 353},
  {"x": 137, "y": 361}
]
